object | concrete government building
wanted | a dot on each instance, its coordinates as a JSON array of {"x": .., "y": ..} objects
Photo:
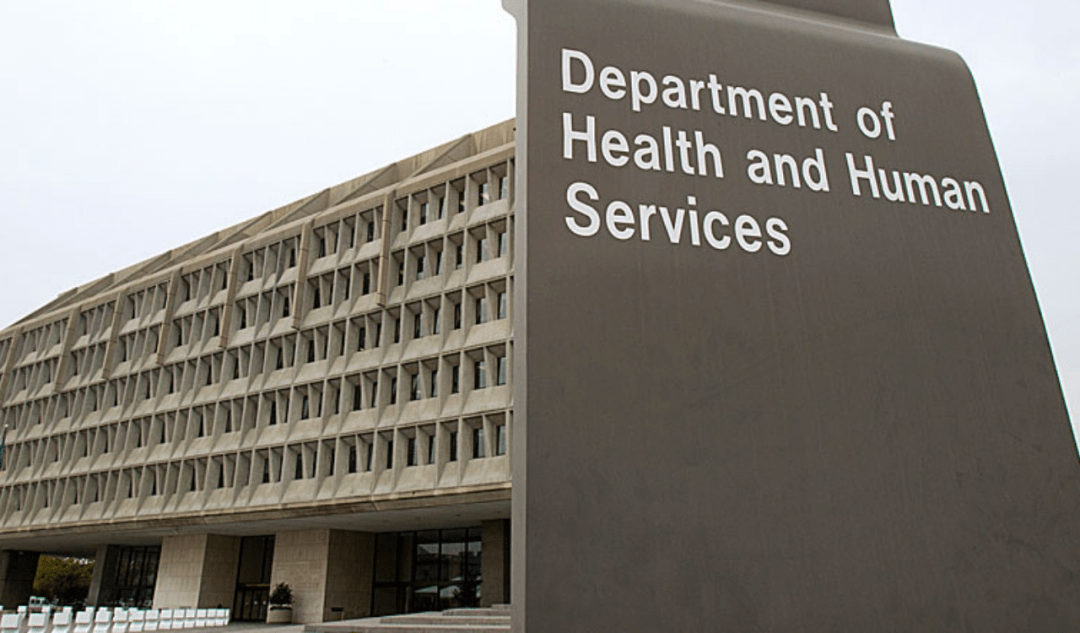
[{"x": 320, "y": 396}]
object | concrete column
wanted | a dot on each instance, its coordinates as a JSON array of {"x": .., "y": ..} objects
[
  {"x": 17, "y": 571},
  {"x": 197, "y": 571},
  {"x": 327, "y": 570},
  {"x": 104, "y": 568},
  {"x": 495, "y": 562},
  {"x": 349, "y": 574}
]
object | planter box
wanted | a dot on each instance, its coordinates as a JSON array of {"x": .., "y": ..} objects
[{"x": 279, "y": 615}]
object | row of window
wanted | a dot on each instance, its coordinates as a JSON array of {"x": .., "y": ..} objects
[
  {"x": 440, "y": 314},
  {"x": 423, "y": 261},
  {"x": 432, "y": 444},
  {"x": 387, "y": 386},
  {"x": 417, "y": 209}
]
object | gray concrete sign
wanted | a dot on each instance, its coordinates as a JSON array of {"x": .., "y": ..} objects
[{"x": 779, "y": 363}]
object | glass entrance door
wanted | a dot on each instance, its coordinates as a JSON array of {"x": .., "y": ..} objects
[{"x": 253, "y": 579}]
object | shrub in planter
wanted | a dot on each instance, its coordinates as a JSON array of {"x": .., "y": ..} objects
[{"x": 280, "y": 604}]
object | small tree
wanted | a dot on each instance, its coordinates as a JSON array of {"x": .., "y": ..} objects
[
  {"x": 281, "y": 596},
  {"x": 63, "y": 580}
]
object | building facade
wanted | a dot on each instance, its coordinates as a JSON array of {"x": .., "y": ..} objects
[{"x": 319, "y": 396}]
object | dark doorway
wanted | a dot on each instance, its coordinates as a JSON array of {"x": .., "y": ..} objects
[
  {"x": 430, "y": 570},
  {"x": 253, "y": 578}
]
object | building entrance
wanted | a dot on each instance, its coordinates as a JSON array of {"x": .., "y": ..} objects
[
  {"x": 430, "y": 570},
  {"x": 253, "y": 578}
]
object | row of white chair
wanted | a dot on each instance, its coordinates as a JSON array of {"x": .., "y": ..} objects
[{"x": 113, "y": 620}]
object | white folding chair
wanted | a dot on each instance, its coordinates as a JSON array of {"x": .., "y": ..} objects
[
  {"x": 84, "y": 621},
  {"x": 136, "y": 621},
  {"x": 61, "y": 622},
  {"x": 11, "y": 622},
  {"x": 103, "y": 621},
  {"x": 39, "y": 623},
  {"x": 120, "y": 621}
]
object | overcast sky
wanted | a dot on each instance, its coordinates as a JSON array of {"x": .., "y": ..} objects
[{"x": 129, "y": 128}]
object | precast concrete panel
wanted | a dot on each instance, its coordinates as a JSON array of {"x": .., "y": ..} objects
[{"x": 779, "y": 362}]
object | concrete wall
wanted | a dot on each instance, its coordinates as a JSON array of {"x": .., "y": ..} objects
[
  {"x": 300, "y": 560},
  {"x": 104, "y": 567},
  {"x": 218, "y": 586},
  {"x": 495, "y": 562},
  {"x": 17, "y": 570},
  {"x": 197, "y": 570},
  {"x": 326, "y": 569},
  {"x": 349, "y": 574}
]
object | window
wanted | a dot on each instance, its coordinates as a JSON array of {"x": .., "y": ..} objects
[
  {"x": 389, "y": 454},
  {"x": 404, "y": 220},
  {"x": 435, "y": 320},
  {"x": 374, "y": 393},
  {"x": 430, "y": 449},
  {"x": 485, "y": 193},
  {"x": 500, "y": 439},
  {"x": 455, "y": 379},
  {"x": 457, "y": 316},
  {"x": 500, "y": 370},
  {"x": 393, "y": 391},
  {"x": 357, "y": 398},
  {"x": 367, "y": 283},
  {"x": 434, "y": 388},
  {"x": 459, "y": 255},
  {"x": 453, "y": 446},
  {"x": 414, "y": 387},
  {"x": 420, "y": 261},
  {"x": 410, "y": 457},
  {"x": 502, "y": 243},
  {"x": 438, "y": 263},
  {"x": 481, "y": 310},
  {"x": 370, "y": 450},
  {"x": 371, "y": 231},
  {"x": 361, "y": 339},
  {"x": 424, "y": 208},
  {"x": 352, "y": 458},
  {"x": 481, "y": 249},
  {"x": 401, "y": 273},
  {"x": 504, "y": 187},
  {"x": 441, "y": 201},
  {"x": 501, "y": 305},
  {"x": 397, "y": 330},
  {"x": 478, "y": 442},
  {"x": 418, "y": 325},
  {"x": 479, "y": 375}
]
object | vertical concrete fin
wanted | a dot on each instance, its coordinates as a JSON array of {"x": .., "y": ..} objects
[
  {"x": 303, "y": 264},
  {"x": 114, "y": 334},
  {"x": 63, "y": 366},
  {"x": 231, "y": 288},
  {"x": 166, "y": 321},
  {"x": 9, "y": 363},
  {"x": 382, "y": 286}
]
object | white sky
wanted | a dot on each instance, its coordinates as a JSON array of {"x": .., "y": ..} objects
[{"x": 129, "y": 128}]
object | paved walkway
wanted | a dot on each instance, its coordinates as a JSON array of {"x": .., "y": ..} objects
[{"x": 252, "y": 627}]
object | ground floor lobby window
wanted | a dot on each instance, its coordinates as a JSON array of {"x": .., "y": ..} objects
[{"x": 427, "y": 570}]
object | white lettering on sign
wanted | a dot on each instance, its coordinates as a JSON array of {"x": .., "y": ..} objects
[{"x": 698, "y": 150}]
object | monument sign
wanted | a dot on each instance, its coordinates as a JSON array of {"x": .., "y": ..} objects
[{"x": 780, "y": 366}]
